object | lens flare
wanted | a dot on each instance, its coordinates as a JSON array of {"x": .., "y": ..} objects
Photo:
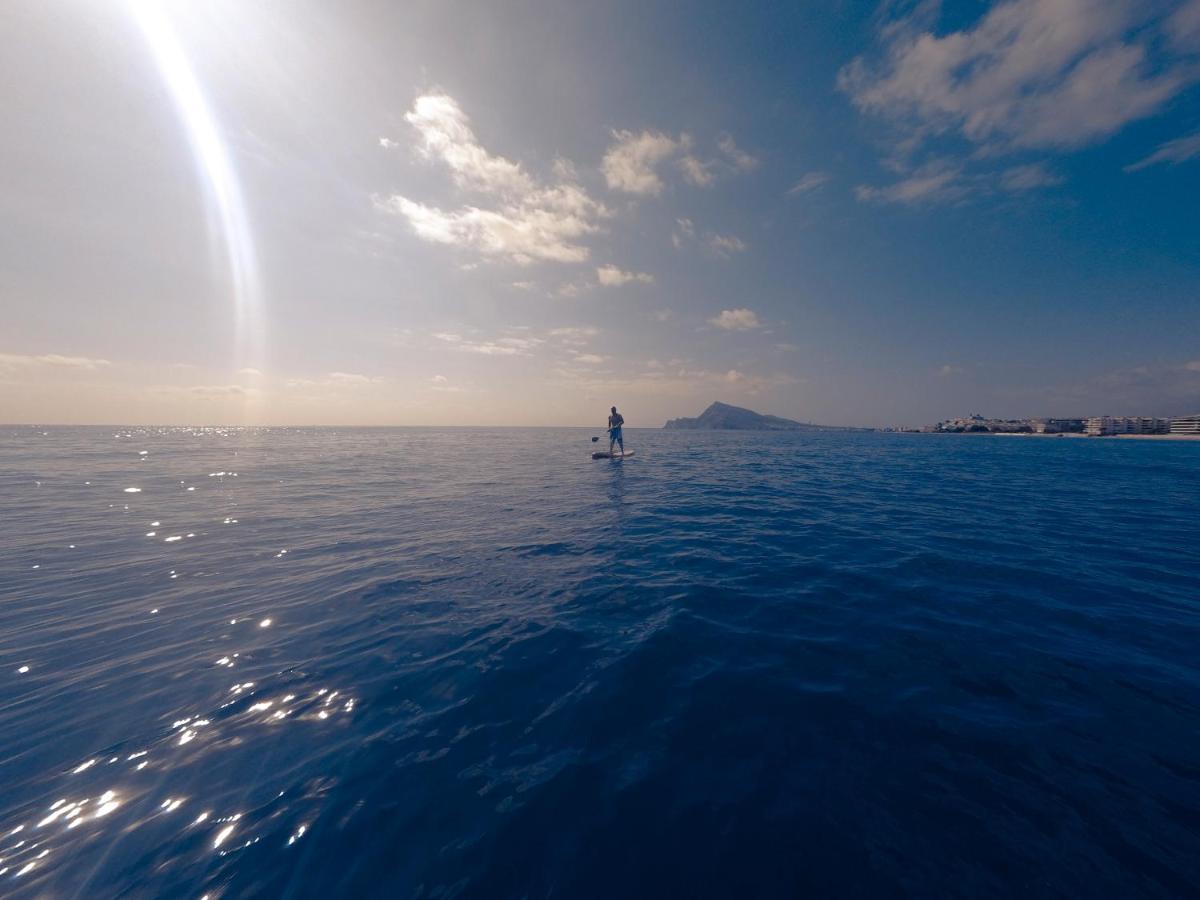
[{"x": 224, "y": 193}]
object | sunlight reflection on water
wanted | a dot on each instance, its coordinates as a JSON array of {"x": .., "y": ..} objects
[{"x": 367, "y": 645}]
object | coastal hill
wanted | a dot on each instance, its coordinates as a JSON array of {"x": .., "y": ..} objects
[{"x": 723, "y": 417}]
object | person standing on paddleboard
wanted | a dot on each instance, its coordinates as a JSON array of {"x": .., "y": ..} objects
[{"x": 615, "y": 421}]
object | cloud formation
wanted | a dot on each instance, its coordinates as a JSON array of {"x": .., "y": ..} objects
[
  {"x": 736, "y": 320},
  {"x": 611, "y": 276},
  {"x": 1028, "y": 177},
  {"x": 446, "y": 135},
  {"x": 938, "y": 180},
  {"x": 695, "y": 171},
  {"x": 631, "y": 163},
  {"x": 1172, "y": 152},
  {"x": 333, "y": 380},
  {"x": 685, "y": 231},
  {"x": 810, "y": 181},
  {"x": 575, "y": 336},
  {"x": 505, "y": 346},
  {"x": 1028, "y": 74},
  {"x": 1183, "y": 27},
  {"x": 53, "y": 360},
  {"x": 526, "y": 222},
  {"x": 725, "y": 245},
  {"x": 738, "y": 158}
]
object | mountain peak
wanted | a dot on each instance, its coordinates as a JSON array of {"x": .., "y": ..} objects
[{"x": 726, "y": 417}]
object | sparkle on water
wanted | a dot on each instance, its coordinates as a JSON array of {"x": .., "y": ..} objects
[{"x": 736, "y": 665}]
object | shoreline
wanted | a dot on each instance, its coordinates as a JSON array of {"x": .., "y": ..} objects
[{"x": 1092, "y": 437}]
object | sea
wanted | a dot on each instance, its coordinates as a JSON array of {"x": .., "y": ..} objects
[{"x": 467, "y": 662}]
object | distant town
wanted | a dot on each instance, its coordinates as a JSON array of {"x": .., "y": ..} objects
[
  {"x": 724, "y": 417},
  {"x": 1095, "y": 426}
]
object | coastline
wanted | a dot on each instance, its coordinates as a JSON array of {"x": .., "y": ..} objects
[{"x": 1096, "y": 437}]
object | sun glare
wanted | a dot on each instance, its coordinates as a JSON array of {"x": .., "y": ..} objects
[{"x": 223, "y": 191}]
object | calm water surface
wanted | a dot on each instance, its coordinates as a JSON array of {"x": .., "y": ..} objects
[{"x": 462, "y": 662}]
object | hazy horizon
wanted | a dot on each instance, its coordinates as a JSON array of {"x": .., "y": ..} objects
[{"x": 524, "y": 213}]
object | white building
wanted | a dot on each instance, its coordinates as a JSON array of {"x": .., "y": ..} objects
[
  {"x": 1100, "y": 425},
  {"x": 1186, "y": 425},
  {"x": 1056, "y": 426}
]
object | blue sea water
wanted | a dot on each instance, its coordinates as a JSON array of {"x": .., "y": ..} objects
[{"x": 475, "y": 663}]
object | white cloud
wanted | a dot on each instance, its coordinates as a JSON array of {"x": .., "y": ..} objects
[
  {"x": 575, "y": 335},
  {"x": 387, "y": 143},
  {"x": 333, "y": 380},
  {"x": 810, "y": 181},
  {"x": 52, "y": 360},
  {"x": 939, "y": 180},
  {"x": 611, "y": 276},
  {"x": 740, "y": 159},
  {"x": 568, "y": 341},
  {"x": 723, "y": 245},
  {"x": 695, "y": 171},
  {"x": 947, "y": 370},
  {"x": 1173, "y": 152},
  {"x": 684, "y": 232},
  {"x": 528, "y": 222},
  {"x": 511, "y": 345},
  {"x": 207, "y": 391},
  {"x": 442, "y": 385},
  {"x": 446, "y": 135},
  {"x": 217, "y": 391},
  {"x": 1183, "y": 27},
  {"x": 253, "y": 373},
  {"x": 575, "y": 288},
  {"x": 726, "y": 245},
  {"x": 350, "y": 378},
  {"x": 544, "y": 226},
  {"x": 736, "y": 320},
  {"x": 1029, "y": 73},
  {"x": 1026, "y": 178},
  {"x": 630, "y": 163}
]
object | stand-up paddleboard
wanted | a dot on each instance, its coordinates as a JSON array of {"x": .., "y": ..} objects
[{"x": 604, "y": 454}]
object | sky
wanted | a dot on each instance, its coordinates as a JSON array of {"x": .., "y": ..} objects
[{"x": 522, "y": 213}]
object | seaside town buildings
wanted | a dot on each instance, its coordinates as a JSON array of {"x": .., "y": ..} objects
[
  {"x": 1186, "y": 425},
  {"x": 1057, "y": 426},
  {"x": 1100, "y": 425},
  {"x": 1096, "y": 426}
]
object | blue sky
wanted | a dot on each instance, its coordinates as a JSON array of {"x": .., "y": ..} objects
[{"x": 426, "y": 213}]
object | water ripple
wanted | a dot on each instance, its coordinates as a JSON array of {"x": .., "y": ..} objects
[{"x": 472, "y": 662}]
